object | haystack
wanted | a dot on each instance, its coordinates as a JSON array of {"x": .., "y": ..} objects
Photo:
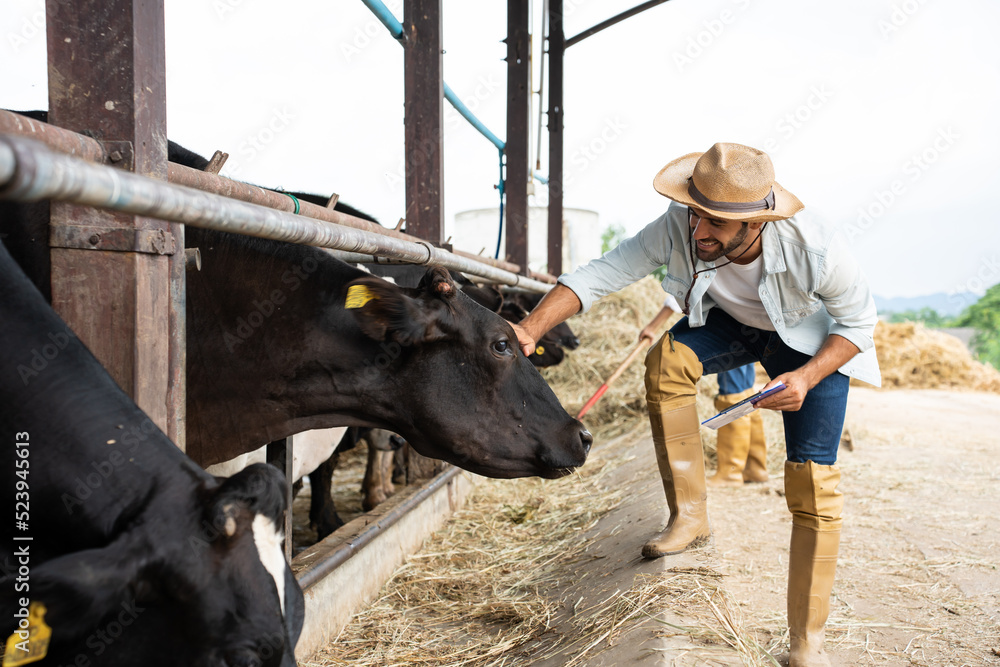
[{"x": 914, "y": 357}]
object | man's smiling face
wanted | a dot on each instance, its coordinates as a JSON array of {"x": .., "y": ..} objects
[{"x": 714, "y": 238}]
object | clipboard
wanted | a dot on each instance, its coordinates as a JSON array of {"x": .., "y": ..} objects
[{"x": 744, "y": 407}]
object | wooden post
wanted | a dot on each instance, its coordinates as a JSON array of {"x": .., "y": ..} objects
[
  {"x": 518, "y": 139},
  {"x": 107, "y": 78},
  {"x": 424, "y": 111},
  {"x": 557, "y": 39}
]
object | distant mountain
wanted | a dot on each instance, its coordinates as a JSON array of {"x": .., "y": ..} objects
[{"x": 945, "y": 304}]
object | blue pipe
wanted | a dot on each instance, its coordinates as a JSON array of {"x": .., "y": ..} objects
[
  {"x": 450, "y": 95},
  {"x": 386, "y": 17}
]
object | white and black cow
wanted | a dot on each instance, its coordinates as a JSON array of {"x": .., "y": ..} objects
[{"x": 138, "y": 556}]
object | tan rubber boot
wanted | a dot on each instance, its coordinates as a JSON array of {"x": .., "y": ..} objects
[
  {"x": 756, "y": 468},
  {"x": 733, "y": 443},
  {"x": 816, "y": 505},
  {"x": 672, "y": 370}
]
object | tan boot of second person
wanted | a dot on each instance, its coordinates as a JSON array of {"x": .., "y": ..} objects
[
  {"x": 732, "y": 444},
  {"x": 756, "y": 468},
  {"x": 816, "y": 506},
  {"x": 677, "y": 442}
]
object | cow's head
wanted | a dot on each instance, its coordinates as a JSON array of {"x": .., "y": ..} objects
[
  {"x": 198, "y": 579},
  {"x": 463, "y": 392}
]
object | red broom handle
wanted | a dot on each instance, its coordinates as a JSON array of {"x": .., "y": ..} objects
[{"x": 614, "y": 376}]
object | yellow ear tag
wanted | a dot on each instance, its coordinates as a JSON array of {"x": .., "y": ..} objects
[
  {"x": 30, "y": 642},
  {"x": 539, "y": 350},
  {"x": 358, "y": 296}
]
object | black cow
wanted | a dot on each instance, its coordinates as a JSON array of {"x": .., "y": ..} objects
[
  {"x": 273, "y": 349},
  {"x": 138, "y": 556}
]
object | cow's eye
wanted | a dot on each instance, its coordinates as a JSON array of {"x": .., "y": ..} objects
[{"x": 502, "y": 347}]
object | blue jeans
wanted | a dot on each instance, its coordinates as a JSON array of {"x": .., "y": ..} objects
[
  {"x": 811, "y": 433},
  {"x": 737, "y": 380}
]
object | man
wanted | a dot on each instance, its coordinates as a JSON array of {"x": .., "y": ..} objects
[
  {"x": 757, "y": 284},
  {"x": 740, "y": 447}
]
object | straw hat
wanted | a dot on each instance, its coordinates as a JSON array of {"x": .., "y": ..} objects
[{"x": 729, "y": 182}]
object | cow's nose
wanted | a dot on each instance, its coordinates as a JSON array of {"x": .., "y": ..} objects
[
  {"x": 587, "y": 440},
  {"x": 573, "y": 343}
]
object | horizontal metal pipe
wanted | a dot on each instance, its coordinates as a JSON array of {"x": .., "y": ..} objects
[
  {"x": 69, "y": 142},
  {"x": 206, "y": 182},
  {"x": 40, "y": 173},
  {"x": 62, "y": 140},
  {"x": 337, "y": 558}
]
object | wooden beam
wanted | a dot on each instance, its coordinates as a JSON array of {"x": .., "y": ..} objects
[
  {"x": 518, "y": 128},
  {"x": 557, "y": 48},
  {"x": 424, "y": 112},
  {"x": 107, "y": 78}
]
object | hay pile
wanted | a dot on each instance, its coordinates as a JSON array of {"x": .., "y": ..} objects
[{"x": 914, "y": 357}]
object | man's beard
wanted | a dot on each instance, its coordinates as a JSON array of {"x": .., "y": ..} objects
[{"x": 729, "y": 248}]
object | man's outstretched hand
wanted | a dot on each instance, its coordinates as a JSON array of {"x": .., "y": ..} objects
[{"x": 524, "y": 339}]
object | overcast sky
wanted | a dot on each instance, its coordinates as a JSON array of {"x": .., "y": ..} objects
[{"x": 880, "y": 115}]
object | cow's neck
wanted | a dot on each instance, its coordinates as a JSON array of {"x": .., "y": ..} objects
[{"x": 265, "y": 312}]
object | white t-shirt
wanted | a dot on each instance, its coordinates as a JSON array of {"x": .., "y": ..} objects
[{"x": 735, "y": 290}]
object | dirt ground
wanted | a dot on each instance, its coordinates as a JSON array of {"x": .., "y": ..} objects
[{"x": 918, "y": 580}]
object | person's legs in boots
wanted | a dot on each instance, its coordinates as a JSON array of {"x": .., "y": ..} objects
[
  {"x": 756, "y": 467},
  {"x": 812, "y": 436},
  {"x": 673, "y": 367},
  {"x": 672, "y": 371},
  {"x": 815, "y": 504},
  {"x": 733, "y": 440}
]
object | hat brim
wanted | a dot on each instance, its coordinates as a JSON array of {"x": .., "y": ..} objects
[{"x": 673, "y": 179}]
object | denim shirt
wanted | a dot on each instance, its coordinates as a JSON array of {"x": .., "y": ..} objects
[{"x": 811, "y": 285}]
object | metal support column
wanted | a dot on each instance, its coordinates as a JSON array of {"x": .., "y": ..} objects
[
  {"x": 557, "y": 48},
  {"x": 424, "y": 111},
  {"x": 518, "y": 133},
  {"x": 106, "y": 78}
]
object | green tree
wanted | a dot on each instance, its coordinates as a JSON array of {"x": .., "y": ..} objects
[
  {"x": 612, "y": 236},
  {"x": 984, "y": 317},
  {"x": 928, "y": 316}
]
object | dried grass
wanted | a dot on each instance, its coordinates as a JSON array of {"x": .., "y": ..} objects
[
  {"x": 914, "y": 357},
  {"x": 484, "y": 591},
  {"x": 476, "y": 591}
]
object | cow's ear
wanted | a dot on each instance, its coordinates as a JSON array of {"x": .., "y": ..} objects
[
  {"x": 437, "y": 282},
  {"x": 259, "y": 488},
  {"x": 385, "y": 311}
]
